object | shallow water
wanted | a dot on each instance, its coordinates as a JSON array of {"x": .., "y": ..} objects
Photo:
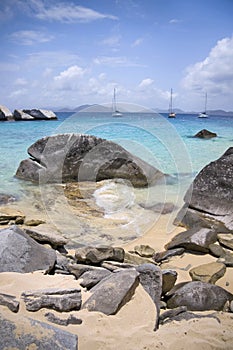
[{"x": 167, "y": 144}]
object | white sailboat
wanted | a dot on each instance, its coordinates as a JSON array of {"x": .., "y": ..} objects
[
  {"x": 115, "y": 112},
  {"x": 171, "y": 114},
  {"x": 204, "y": 114}
]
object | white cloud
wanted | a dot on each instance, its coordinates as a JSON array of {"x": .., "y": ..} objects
[
  {"x": 174, "y": 21},
  {"x": 137, "y": 42},
  {"x": 146, "y": 83},
  {"x": 20, "y": 82},
  {"x": 69, "y": 79},
  {"x": 66, "y": 12},
  {"x": 112, "y": 41},
  {"x": 116, "y": 61},
  {"x": 215, "y": 72},
  {"x": 30, "y": 37}
]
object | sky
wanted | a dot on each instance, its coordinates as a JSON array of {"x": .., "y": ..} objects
[{"x": 57, "y": 54}]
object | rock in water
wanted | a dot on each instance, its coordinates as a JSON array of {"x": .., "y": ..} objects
[
  {"x": 205, "y": 134},
  {"x": 76, "y": 157},
  {"x": 212, "y": 191}
]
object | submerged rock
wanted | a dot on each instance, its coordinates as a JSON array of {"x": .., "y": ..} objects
[{"x": 76, "y": 157}]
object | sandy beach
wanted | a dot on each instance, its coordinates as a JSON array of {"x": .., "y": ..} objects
[{"x": 132, "y": 327}]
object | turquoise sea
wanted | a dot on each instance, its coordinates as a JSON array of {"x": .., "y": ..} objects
[{"x": 168, "y": 144}]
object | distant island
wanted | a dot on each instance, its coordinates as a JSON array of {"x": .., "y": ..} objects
[{"x": 102, "y": 108}]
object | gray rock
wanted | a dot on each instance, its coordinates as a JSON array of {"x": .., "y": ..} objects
[
  {"x": 33, "y": 114},
  {"x": 109, "y": 295},
  {"x": 8, "y": 215},
  {"x": 21, "y": 115},
  {"x": 57, "y": 299},
  {"x": 75, "y": 157},
  {"x": 226, "y": 259},
  {"x": 115, "y": 265},
  {"x": 34, "y": 335},
  {"x": 170, "y": 314},
  {"x": 160, "y": 256},
  {"x": 5, "y": 113},
  {"x": 46, "y": 234},
  {"x": 205, "y": 134},
  {"x": 9, "y": 301},
  {"x": 226, "y": 239},
  {"x": 198, "y": 296},
  {"x": 95, "y": 255},
  {"x": 62, "y": 321},
  {"x": 40, "y": 114},
  {"x": 20, "y": 253},
  {"x": 135, "y": 259},
  {"x": 169, "y": 278},
  {"x": 151, "y": 279},
  {"x": 144, "y": 250},
  {"x": 216, "y": 250},
  {"x": 91, "y": 278},
  {"x": 78, "y": 269},
  {"x": 212, "y": 191},
  {"x": 209, "y": 273},
  {"x": 196, "y": 239}
]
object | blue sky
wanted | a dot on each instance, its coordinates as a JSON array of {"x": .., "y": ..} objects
[{"x": 68, "y": 53}]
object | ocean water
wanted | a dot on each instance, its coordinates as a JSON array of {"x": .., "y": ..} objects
[{"x": 168, "y": 144}]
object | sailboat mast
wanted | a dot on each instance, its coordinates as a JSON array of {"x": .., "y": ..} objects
[
  {"x": 171, "y": 102},
  {"x": 205, "y": 101}
]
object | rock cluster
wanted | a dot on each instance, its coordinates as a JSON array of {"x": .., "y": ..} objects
[
  {"x": 76, "y": 157},
  {"x": 110, "y": 275},
  {"x": 26, "y": 114}
]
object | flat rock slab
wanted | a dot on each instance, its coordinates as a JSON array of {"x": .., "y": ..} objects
[
  {"x": 56, "y": 299},
  {"x": 198, "y": 296},
  {"x": 95, "y": 255},
  {"x": 20, "y": 253},
  {"x": 109, "y": 295},
  {"x": 209, "y": 273},
  {"x": 25, "y": 333},
  {"x": 46, "y": 234},
  {"x": 10, "y": 214}
]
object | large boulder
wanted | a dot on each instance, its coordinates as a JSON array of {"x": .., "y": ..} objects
[
  {"x": 34, "y": 114},
  {"x": 114, "y": 291},
  {"x": 76, "y": 157},
  {"x": 20, "y": 253},
  {"x": 198, "y": 296},
  {"x": 5, "y": 113},
  {"x": 211, "y": 193}
]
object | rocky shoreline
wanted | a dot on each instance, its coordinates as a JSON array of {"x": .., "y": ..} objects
[
  {"x": 104, "y": 280},
  {"x": 26, "y": 114}
]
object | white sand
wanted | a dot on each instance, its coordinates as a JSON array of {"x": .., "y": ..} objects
[{"x": 132, "y": 327}]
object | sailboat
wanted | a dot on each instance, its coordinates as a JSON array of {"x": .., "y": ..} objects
[
  {"x": 115, "y": 112},
  {"x": 204, "y": 114},
  {"x": 171, "y": 114}
]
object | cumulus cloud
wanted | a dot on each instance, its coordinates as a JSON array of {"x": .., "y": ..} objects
[
  {"x": 69, "y": 78},
  {"x": 66, "y": 12},
  {"x": 30, "y": 37},
  {"x": 215, "y": 72},
  {"x": 146, "y": 83}
]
